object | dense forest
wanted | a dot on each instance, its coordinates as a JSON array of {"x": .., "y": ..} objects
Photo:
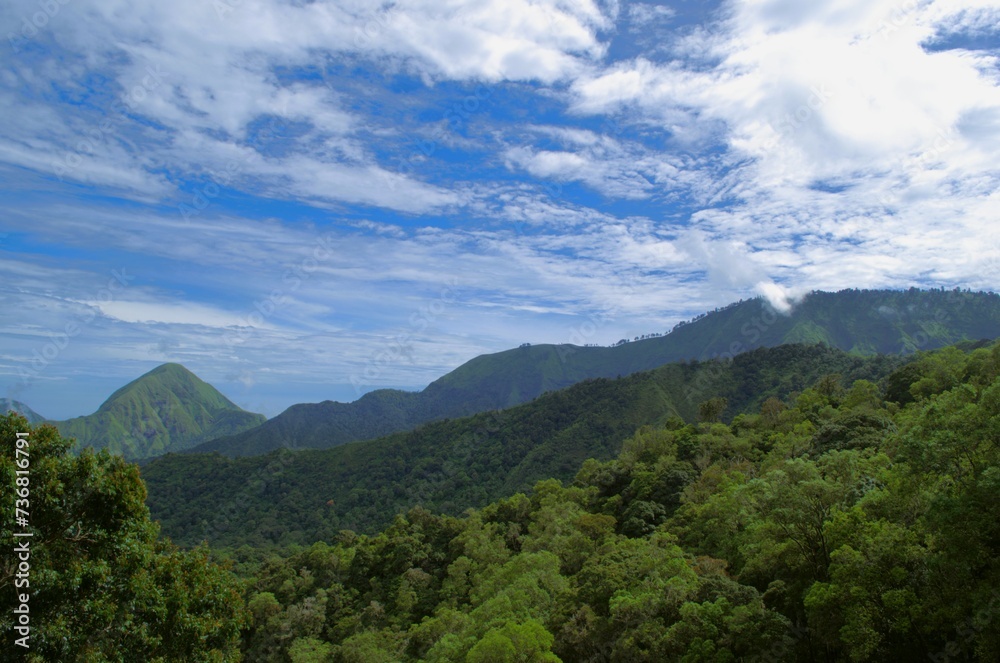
[
  {"x": 852, "y": 523},
  {"x": 102, "y": 584},
  {"x": 447, "y": 466},
  {"x": 851, "y": 520}
]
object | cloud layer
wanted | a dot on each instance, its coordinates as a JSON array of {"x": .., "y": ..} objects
[{"x": 311, "y": 200}]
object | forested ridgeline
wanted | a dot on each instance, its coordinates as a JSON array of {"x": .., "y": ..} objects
[
  {"x": 851, "y": 521},
  {"x": 448, "y": 466},
  {"x": 862, "y": 322},
  {"x": 851, "y": 524}
]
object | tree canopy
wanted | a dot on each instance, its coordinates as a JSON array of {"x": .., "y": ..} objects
[
  {"x": 102, "y": 585},
  {"x": 851, "y": 520}
]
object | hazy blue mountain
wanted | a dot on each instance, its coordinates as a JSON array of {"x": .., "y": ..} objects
[
  {"x": 862, "y": 322},
  {"x": 167, "y": 409},
  {"x": 9, "y": 405}
]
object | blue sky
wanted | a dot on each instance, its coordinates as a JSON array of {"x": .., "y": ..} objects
[{"x": 308, "y": 200}]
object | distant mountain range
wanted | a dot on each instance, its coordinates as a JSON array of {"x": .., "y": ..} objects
[
  {"x": 447, "y": 466},
  {"x": 861, "y": 322},
  {"x": 8, "y": 405},
  {"x": 167, "y": 409}
]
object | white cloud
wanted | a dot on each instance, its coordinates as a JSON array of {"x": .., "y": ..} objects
[
  {"x": 777, "y": 296},
  {"x": 168, "y": 313},
  {"x": 616, "y": 168},
  {"x": 783, "y": 146},
  {"x": 842, "y": 94},
  {"x": 495, "y": 41},
  {"x": 196, "y": 77},
  {"x": 643, "y": 14}
]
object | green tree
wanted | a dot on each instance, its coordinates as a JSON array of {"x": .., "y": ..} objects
[
  {"x": 310, "y": 650},
  {"x": 710, "y": 411},
  {"x": 527, "y": 642},
  {"x": 102, "y": 587}
]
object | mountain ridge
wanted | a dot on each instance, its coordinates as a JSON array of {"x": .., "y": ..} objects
[
  {"x": 166, "y": 409},
  {"x": 10, "y": 405},
  {"x": 863, "y": 322},
  {"x": 449, "y": 465}
]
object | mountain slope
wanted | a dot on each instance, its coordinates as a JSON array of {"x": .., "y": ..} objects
[
  {"x": 844, "y": 507},
  {"x": 858, "y": 321},
  {"x": 9, "y": 405},
  {"x": 287, "y": 497},
  {"x": 328, "y": 424},
  {"x": 167, "y": 409}
]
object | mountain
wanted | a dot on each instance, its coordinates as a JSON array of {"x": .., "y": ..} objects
[
  {"x": 299, "y": 497},
  {"x": 8, "y": 405},
  {"x": 167, "y": 409},
  {"x": 843, "y": 527},
  {"x": 862, "y": 322}
]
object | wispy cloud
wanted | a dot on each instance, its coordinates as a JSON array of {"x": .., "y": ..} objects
[{"x": 312, "y": 174}]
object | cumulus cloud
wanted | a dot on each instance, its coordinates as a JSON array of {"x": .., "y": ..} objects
[
  {"x": 777, "y": 296},
  {"x": 834, "y": 114}
]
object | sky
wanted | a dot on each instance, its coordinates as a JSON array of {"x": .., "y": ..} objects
[{"x": 302, "y": 201}]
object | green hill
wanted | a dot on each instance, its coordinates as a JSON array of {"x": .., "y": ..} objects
[
  {"x": 843, "y": 525},
  {"x": 288, "y": 497},
  {"x": 9, "y": 405},
  {"x": 862, "y": 322},
  {"x": 167, "y": 409},
  {"x": 847, "y": 522}
]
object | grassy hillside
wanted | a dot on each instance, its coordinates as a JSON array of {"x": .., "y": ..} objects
[
  {"x": 167, "y": 409},
  {"x": 450, "y": 465},
  {"x": 863, "y": 322},
  {"x": 9, "y": 405}
]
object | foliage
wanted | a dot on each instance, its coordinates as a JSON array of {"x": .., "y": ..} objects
[
  {"x": 767, "y": 539},
  {"x": 101, "y": 587},
  {"x": 448, "y": 466}
]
